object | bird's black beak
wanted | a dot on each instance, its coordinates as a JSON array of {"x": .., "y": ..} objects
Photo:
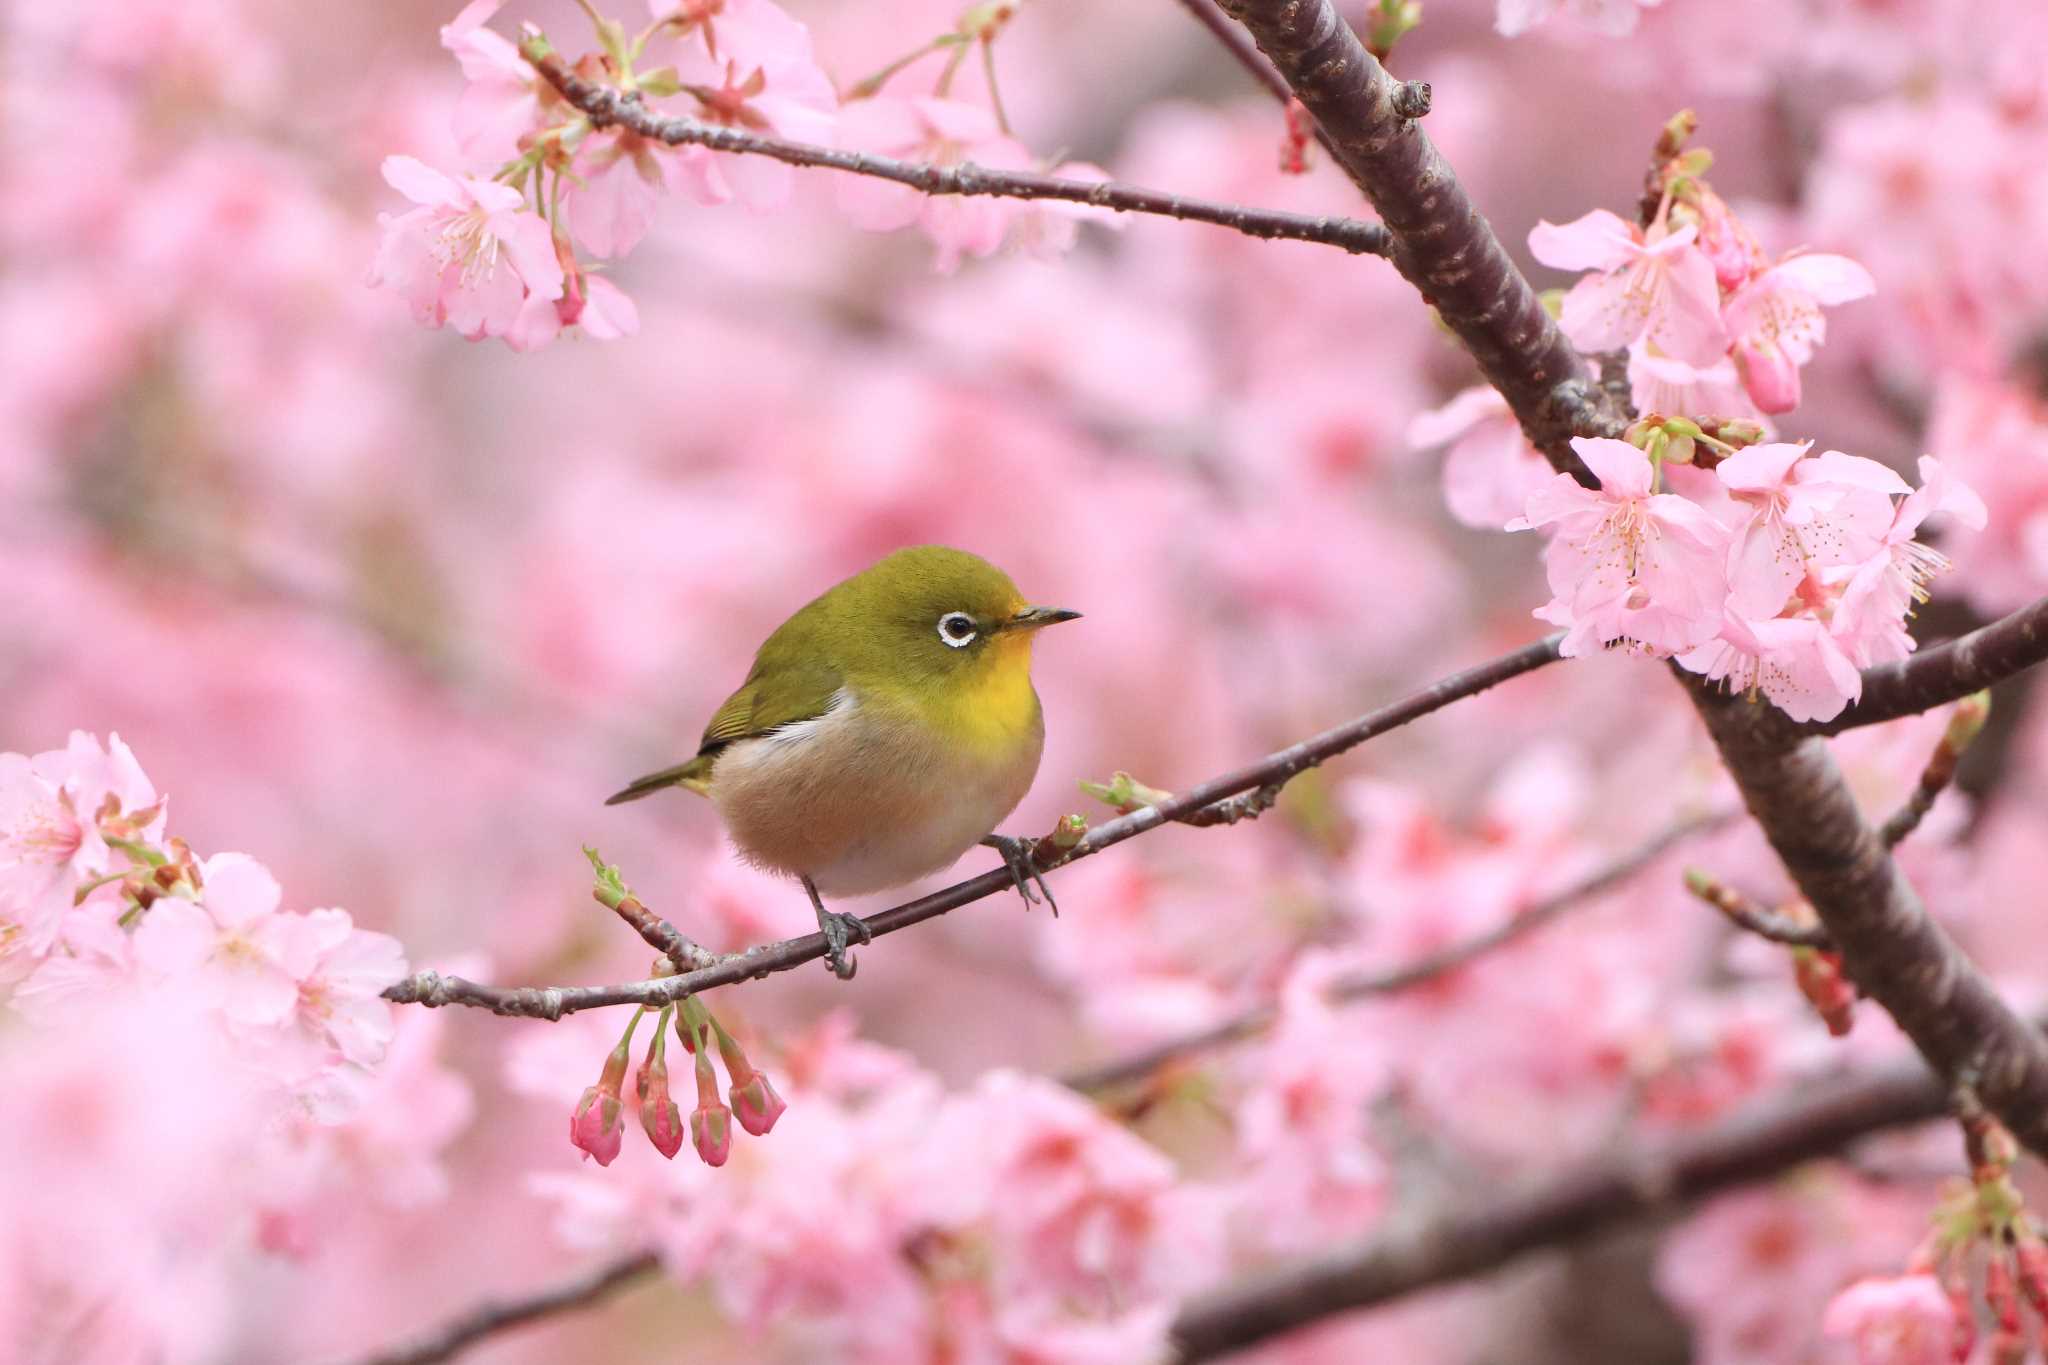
[{"x": 1031, "y": 618}]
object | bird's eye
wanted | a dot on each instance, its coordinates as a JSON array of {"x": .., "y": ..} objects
[{"x": 957, "y": 629}]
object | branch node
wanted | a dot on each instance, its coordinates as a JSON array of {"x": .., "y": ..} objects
[{"x": 1411, "y": 99}]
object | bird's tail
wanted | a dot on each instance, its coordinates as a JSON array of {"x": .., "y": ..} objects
[{"x": 696, "y": 775}]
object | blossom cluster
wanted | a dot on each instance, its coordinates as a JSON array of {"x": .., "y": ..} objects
[
  {"x": 892, "y": 1219},
  {"x": 149, "y": 996},
  {"x": 1783, "y": 573},
  {"x": 498, "y": 256}
]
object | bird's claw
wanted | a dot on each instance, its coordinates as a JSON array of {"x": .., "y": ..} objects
[
  {"x": 1024, "y": 871},
  {"x": 841, "y": 931}
]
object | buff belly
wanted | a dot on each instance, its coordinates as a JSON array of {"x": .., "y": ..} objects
[{"x": 863, "y": 798}]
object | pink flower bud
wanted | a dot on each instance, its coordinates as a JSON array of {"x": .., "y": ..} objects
[
  {"x": 757, "y": 1104},
  {"x": 2001, "y": 1294},
  {"x": 1821, "y": 981},
  {"x": 595, "y": 1126},
  {"x": 659, "y": 1115},
  {"x": 711, "y": 1133},
  {"x": 2033, "y": 1257},
  {"x": 1770, "y": 375}
]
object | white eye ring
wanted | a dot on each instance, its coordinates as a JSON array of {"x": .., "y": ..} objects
[{"x": 957, "y": 629}]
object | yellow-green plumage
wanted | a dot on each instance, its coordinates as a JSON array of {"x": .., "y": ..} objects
[{"x": 882, "y": 730}]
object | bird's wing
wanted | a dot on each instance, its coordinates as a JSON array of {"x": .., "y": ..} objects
[{"x": 784, "y": 687}]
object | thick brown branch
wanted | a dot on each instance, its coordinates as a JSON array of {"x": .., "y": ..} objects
[
  {"x": 1891, "y": 948},
  {"x": 606, "y": 107},
  {"x": 1934, "y": 677},
  {"x": 1276, "y": 769},
  {"x": 501, "y": 1315},
  {"x": 1255, "y": 1020},
  {"x": 1566, "y": 1210},
  {"x": 1443, "y": 245}
]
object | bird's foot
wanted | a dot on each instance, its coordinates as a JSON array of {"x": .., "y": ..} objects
[
  {"x": 840, "y": 931},
  {"x": 1023, "y": 868}
]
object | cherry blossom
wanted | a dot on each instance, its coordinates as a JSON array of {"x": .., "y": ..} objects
[
  {"x": 1624, "y": 562},
  {"x": 1777, "y": 324},
  {"x": 1490, "y": 469},
  {"x": 1657, "y": 286},
  {"x": 944, "y": 133},
  {"x": 1904, "y": 1321},
  {"x": 471, "y": 256}
]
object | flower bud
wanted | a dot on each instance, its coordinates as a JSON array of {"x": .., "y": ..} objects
[
  {"x": 1821, "y": 981},
  {"x": 757, "y": 1105},
  {"x": 710, "y": 1121},
  {"x": 2000, "y": 1293},
  {"x": 596, "y": 1126},
  {"x": 660, "y": 1117},
  {"x": 711, "y": 1133},
  {"x": 1770, "y": 376},
  {"x": 2033, "y": 1259}
]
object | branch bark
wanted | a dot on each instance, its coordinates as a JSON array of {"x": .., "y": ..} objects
[
  {"x": 1948, "y": 672},
  {"x": 1890, "y": 947},
  {"x": 1276, "y": 769},
  {"x": 494, "y": 1316},
  {"x": 607, "y": 108},
  {"x": 1565, "y": 1210},
  {"x": 1442, "y": 244}
]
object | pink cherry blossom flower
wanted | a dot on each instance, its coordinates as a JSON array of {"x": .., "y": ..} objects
[
  {"x": 1795, "y": 661},
  {"x": 944, "y": 133},
  {"x": 231, "y": 949},
  {"x": 1907, "y": 1320},
  {"x": 748, "y": 64},
  {"x": 1662, "y": 383},
  {"x": 1777, "y": 324},
  {"x": 1490, "y": 469},
  {"x": 1879, "y": 594},
  {"x": 1799, "y": 510},
  {"x": 624, "y": 176},
  {"x": 504, "y": 99},
  {"x": 344, "y": 973},
  {"x": 470, "y": 256},
  {"x": 1658, "y": 287},
  {"x": 51, "y": 843},
  {"x": 1625, "y": 563}
]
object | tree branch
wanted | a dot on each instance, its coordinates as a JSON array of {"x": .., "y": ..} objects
[
  {"x": 1251, "y": 1022},
  {"x": 1442, "y": 243},
  {"x": 501, "y": 1315},
  {"x": 1949, "y": 672},
  {"x": 606, "y": 107},
  {"x": 1569, "y": 1209},
  {"x": 1276, "y": 769},
  {"x": 1891, "y": 948}
]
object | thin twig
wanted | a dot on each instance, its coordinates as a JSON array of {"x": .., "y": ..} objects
[
  {"x": 552, "y": 1002},
  {"x": 1745, "y": 913},
  {"x": 606, "y": 107},
  {"x": 1255, "y": 1020},
  {"x": 1963, "y": 728},
  {"x": 494, "y": 1316}
]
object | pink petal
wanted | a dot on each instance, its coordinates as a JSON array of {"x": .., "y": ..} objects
[
  {"x": 1827, "y": 278},
  {"x": 1598, "y": 241},
  {"x": 239, "y": 891},
  {"x": 1622, "y": 469},
  {"x": 419, "y": 182},
  {"x": 608, "y": 313},
  {"x": 175, "y": 936},
  {"x": 1762, "y": 468}
]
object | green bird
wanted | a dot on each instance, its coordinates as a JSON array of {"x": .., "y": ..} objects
[{"x": 884, "y": 729}]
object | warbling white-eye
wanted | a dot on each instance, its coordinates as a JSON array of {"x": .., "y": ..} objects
[{"x": 883, "y": 731}]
